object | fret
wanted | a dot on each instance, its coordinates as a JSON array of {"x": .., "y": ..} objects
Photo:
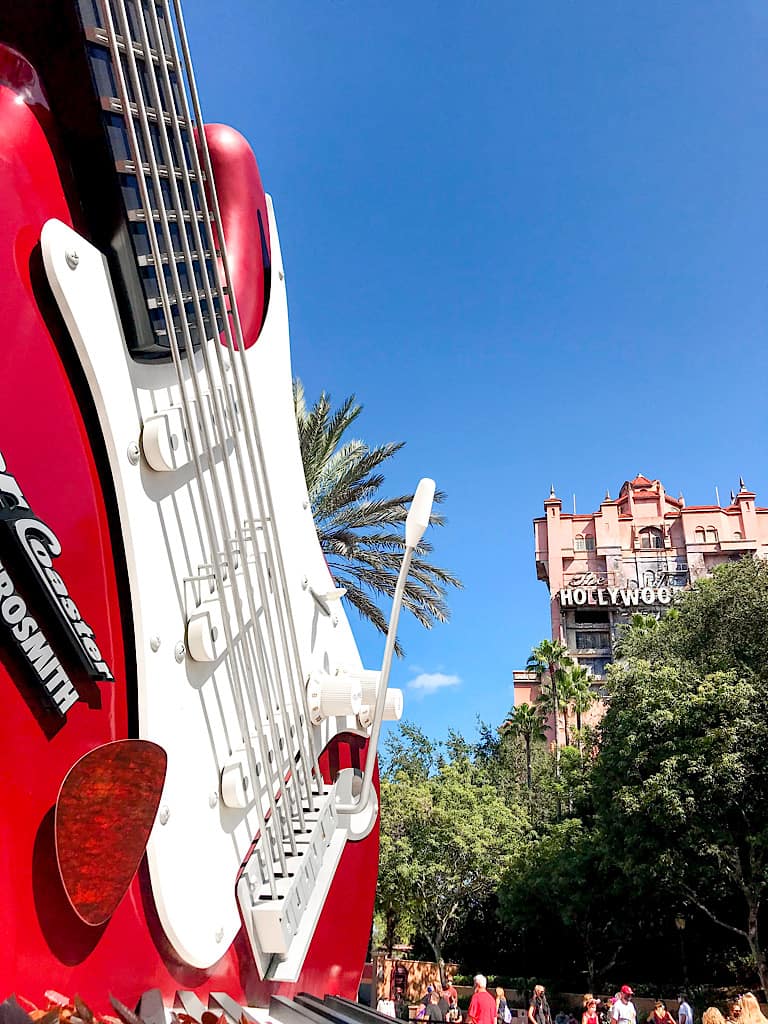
[
  {"x": 99, "y": 37},
  {"x": 113, "y": 105},
  {"x": 185, "y": 299},
  {"x": 140, "y": 216},
  {"x": 149, "y": 260},
  {"x": 128, "y": 167}
]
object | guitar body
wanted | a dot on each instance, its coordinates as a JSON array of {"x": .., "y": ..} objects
[{"x": 53, "y": 447}]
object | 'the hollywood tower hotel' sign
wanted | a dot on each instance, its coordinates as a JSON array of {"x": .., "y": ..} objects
[{"x": 631, "y": 555}]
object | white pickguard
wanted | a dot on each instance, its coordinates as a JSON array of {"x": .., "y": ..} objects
[{"x": 198, "y": 843}]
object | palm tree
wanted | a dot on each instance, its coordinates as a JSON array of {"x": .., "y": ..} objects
[
  {"x": 546, "y": 698},
  {"x": 638, "y": 625},
  {"x": 355, "y": 524},
  {"x": 581, "y": 695},
  {"x": 525, "y": 721},
  {"x": 549, "y": 656},
  {"x": 565, "y": 695}
]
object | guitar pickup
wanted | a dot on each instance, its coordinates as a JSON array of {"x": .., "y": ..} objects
[{"x": 165, "y": 438}]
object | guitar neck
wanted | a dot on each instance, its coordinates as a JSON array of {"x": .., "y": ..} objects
[{"x": 145, "y": 91}]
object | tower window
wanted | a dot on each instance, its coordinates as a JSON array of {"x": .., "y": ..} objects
[{"x": 651, "y": 537}]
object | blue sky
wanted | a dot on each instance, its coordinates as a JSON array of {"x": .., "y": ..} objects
[{"x": 531, "y": 237}]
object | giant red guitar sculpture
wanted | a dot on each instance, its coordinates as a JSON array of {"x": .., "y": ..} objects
[{"x": 185, "y": 718}]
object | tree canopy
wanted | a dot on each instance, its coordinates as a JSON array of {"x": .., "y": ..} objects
[
  {"x": 680, "y": 780},
  {"x": 661, "y": 818},
  {"x": 447, "y": 835}
]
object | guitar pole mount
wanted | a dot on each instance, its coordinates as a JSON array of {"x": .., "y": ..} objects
[{"x": 415, "y": 524}]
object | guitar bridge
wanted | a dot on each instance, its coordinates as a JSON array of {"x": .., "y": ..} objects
[{"x": 280, "y": 925}]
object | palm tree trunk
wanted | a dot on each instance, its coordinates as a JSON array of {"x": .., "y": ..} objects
[
  {"x": 556, "y": 712},
  {"x": 553, "y": 682}
]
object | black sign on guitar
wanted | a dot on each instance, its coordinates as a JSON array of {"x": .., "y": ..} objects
[{"x": 30, "y": 546}]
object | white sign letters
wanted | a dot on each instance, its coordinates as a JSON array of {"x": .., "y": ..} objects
[{"x": 615, "y": 597}]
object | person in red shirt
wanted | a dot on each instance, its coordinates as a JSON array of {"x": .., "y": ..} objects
[
  {"x": 660, "y": 1014},
  {"x": 482, "y": 1008},
  {"x": 449, "y": 991}
]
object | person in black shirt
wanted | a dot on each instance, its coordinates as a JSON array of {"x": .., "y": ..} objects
[
  {"x": 442, "y": 1001},
  {"x": 538, "y": 1008},
  {"x": 433, "y": 1011}
]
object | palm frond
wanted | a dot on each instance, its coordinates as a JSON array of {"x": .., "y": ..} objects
[{"x": 344, "y": 480}]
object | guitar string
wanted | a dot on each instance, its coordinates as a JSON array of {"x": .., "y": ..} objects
[
  {"x": 293, "y": 711},
  {"x": 219, "y": 569},
  {"x": 253, "y": 437},
  {"x": 279, "y": 810},
  {"x": 217, "y": 566},
  {"x": 259, "y": 708},
  {"x": 258, "y": 473}
]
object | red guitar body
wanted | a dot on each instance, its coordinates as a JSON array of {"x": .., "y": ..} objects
[{"x": 50, "y": 441}]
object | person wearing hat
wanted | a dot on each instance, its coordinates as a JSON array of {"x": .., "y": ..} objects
[
  {"x": 425, "y": 1001},
  {"x": 660, "y": 1014},
  {"x": 433, "y": 1012},
  {"x": 623, "y": 1011}
]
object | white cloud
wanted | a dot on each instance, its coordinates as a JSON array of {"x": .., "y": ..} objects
[{"x": 431, "y": 682}]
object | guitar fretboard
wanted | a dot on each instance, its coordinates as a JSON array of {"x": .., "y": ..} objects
[{"x": 140, "y": 82}]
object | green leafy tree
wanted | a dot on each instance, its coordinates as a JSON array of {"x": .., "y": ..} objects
[
  {"x": 361, "y": 531},
  {"x": 455, "y": 834},
  {"x": 555, "y": 895},
  {"x": 395, "y": 905},
  {"x": 681, "y": 774}
]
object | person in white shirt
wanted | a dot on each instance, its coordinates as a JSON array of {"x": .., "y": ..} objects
[
  {"x": 623, "y": 1011},
  {"x": 684, "y": 1011}
]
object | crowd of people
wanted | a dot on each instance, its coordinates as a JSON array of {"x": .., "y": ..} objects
[
  {"x": 744, "y": 1009},
  {"x": 441, "y": 1003}
]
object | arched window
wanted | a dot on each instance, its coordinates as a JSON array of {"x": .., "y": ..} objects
[
  {"x": 579, "y": 544},
  {"x": 737, "y": 535},
  {"x": 700, "y": 535},
  {"x": 651, "y": 537},
  {"x": 711, "y": 535}
]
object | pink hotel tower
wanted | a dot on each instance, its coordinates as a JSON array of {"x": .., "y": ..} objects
[{"x": 631, "y": 556}]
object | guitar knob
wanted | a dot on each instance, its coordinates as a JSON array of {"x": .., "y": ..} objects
[
  {"x": 393, "y": 708},
  {"x": 333, "y": 695}
]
